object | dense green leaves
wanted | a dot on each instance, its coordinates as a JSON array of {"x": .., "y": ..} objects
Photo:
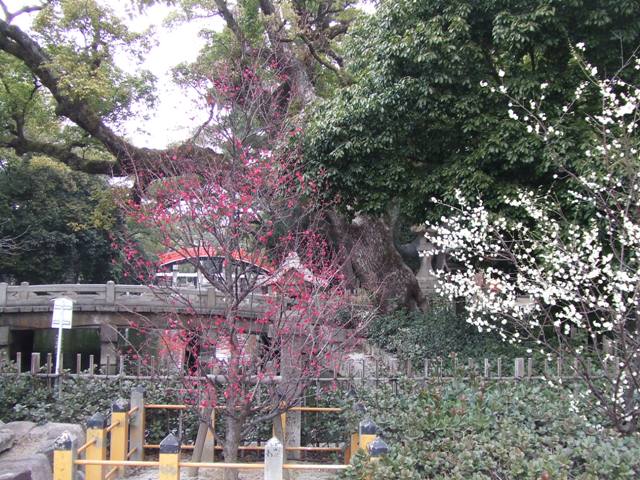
[
  {"x": 438, "y": 333},
  {"x": 82, "y": 38},
  {"x": 417, "y": 122},
  {"x": 63, "y": 222},
  {"x": 509, "y": 431}
]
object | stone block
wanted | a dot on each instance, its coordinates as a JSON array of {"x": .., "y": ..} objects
[
  {"x": 19, "y": 429},
  {"x": 35, "y": 467},
  {"x": 7, "y": 439},
  {"x": 47, "y": 434}
]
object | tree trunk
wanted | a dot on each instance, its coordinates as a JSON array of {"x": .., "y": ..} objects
[
  {"x": 375, "y": 261},
  {"x": 231, "y": 443}
]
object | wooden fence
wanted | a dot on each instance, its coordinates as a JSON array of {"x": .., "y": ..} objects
[
  {"x": 113, "y": 446},
  {"x": 365, "y": 370}
]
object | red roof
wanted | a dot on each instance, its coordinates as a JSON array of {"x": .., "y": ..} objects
[{"x": 210, "y": 252}]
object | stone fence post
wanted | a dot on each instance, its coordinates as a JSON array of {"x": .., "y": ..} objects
[{"x": 273, "y": 459}]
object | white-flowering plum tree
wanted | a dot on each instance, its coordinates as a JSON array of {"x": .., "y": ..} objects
[{"x": 565, "y": 275}]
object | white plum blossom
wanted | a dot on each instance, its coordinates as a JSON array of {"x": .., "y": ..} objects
[{"x": 571, "y": 286}]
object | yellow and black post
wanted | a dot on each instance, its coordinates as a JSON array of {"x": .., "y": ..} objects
[
  {"x": 120, "y": 432},
  {"x": 367, "y": 431},
  {"x": 64, "y": 457},
  {"x": 97, "y": 450},
  {"x": 170, "y": 458},
  {"x": 377, "y": 449}
]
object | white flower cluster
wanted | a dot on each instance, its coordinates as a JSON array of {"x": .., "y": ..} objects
[{"x": 546, "y": 276}]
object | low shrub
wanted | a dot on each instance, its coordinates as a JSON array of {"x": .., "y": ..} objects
[
  {"x": 437, "y": 333},
  {"x": 492, "y": 431},
  {"x": 23, "y": 397}
]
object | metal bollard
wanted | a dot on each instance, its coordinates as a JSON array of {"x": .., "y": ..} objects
[
  {"x": 96, "y": 431},
  {"x": 170, "y": 458},
  {"x": 64, "y": 456}
]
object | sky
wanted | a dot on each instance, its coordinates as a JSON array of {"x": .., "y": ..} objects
[{"x": 176, "y": 113}]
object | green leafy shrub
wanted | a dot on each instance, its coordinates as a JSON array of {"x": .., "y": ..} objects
[
  {"x": 23, "y": 397},
  {"x": 437, "y": 333},
  {"x": 489, "y": 431}
]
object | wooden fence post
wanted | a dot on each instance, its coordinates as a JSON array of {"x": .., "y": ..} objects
[
  {"x": 273, "y": 459},
  {"x": 120, "y": 432},
  {"x": 64, "y": 457},
  {"x": 35, "y": 363},
  {"x": 518, "y": 368},
  {"x": 209, "y": 448},
  {"x": 96, "y": 431},
  {"x": 170, "y": 458},
  {"x": 137, "y": 424}
]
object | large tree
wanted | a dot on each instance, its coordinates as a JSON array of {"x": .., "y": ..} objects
[
  {"x": 65, "y": 70},
  {"x": 64, "y": 224},
  {"x": 418, "y": 123}
]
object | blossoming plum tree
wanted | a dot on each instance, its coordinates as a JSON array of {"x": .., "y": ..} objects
[
  {"x": 248, "y": 221},
  {"x": 566, "y": 278}
]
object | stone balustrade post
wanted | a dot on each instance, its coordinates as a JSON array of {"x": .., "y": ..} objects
[
  {"x": 23, "y": 294},
  {"x": 110, "y": 293},
  {"x": 3, "y": 293}
]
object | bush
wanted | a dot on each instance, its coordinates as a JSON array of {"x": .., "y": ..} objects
[
  {"x": 502, "y": 430},
  {"x": 437, "y": 333},
  {"x": 23, "y": 397}
]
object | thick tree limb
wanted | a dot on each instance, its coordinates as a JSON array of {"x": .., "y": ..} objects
[
  {"x": 230, "y": 20},
  {"x": 128, "y": 157}
]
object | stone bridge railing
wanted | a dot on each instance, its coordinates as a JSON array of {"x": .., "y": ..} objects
[{"x": 110, "y": 297}]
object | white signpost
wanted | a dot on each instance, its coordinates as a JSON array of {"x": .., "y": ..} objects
[{"x": 62, "y": 319}]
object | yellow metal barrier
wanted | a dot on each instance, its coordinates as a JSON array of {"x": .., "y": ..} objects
[
  {"x": 123, "y": 446},
  {"x": 367, "y": 432},
  {"x": 170, "y": 458},
  {"x": 97, "y": 434},
  {"x": 119, "y": 434},
  {"x": 64, "y": 457}
]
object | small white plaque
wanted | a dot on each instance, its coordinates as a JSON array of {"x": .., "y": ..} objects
[{"x": 62, "y": 313}]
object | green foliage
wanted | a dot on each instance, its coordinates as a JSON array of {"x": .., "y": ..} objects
[
  {"x": 501, "y": 430},
  {"x": 437, "y": 333},
  {"x": 416, "y": 123},
  {"x": 26, "y": 398},
  {"x": 82, "y": 37},
  {"x": 64, "y": 222}
]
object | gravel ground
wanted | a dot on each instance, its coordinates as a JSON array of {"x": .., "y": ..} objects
[{"x": 216, "y": 474}]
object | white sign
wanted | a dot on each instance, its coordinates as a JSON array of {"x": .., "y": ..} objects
[{"x": 62, "y": 313}]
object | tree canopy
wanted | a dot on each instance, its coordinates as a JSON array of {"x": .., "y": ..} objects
[
  {"x": 65, "y": 224},
  {"x": 417, "y": 123}
]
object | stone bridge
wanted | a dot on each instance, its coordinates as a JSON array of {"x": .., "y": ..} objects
[{"x": 27, "y": 308}]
